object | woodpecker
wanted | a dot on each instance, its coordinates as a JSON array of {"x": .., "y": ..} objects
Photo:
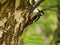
[{"x": 34, "y": 16}]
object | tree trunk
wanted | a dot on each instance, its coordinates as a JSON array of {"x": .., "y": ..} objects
[{"x": 13, "y": 19}]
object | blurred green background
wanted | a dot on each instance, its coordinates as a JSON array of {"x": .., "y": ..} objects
[{"x": 41, "y": 32}]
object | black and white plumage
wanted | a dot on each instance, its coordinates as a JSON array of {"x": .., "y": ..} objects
[{"x": 35, "y": 15}]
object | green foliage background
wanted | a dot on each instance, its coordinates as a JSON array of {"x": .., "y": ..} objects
[{"x": 47, "y": 23}]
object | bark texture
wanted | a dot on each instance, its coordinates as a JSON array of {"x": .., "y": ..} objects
[{"x": 13, "y": 19}]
